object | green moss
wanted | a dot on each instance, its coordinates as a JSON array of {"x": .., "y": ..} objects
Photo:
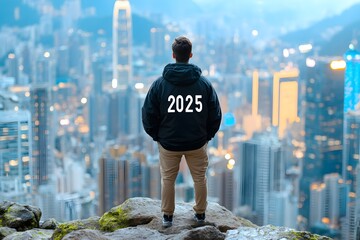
[
  {"x": 246, "y": 223},
  {"x": 306, "y": 235},
  {"x": 116, "y": 218},
  {"x": 64, "y": 229}
]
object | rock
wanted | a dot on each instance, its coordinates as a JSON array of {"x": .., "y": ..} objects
[
  {"x": 130, "y": 233},
  {"x": 50, "y": 223},
  {"x": 141, "y": 218},
  {"x": 147, "y": 213},
  {"x": 65, "y": 228},
  {"x": 37, "y": 234},
  {"x": 20, "y": 217},
  {"x": 5, "y": 231},
  {"x": 85, "y": 234},
  {"x": 270, "y": 232},
  {"x": 203, "y": 233}
]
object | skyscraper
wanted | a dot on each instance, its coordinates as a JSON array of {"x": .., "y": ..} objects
[
  {"x": 15, "y": 154},
  {"x": 285, "y": 99},
  {"x": 324, "y": 99},
  {"x": 328, "y": 202},
  {"x": 260, "y": 179},
  {"x": 352, "y": 80},
  {"x": 351, "y": 154},
  {"x": 221, "y": 182},
  {"x": 41, "y": 117},
  {"x": 122, "y": 43},
  {"x": 112, "y": 181}
]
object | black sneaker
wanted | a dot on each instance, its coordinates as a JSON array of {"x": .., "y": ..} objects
[
  {"x": 167, "y": 220},
  {"x": 199, "y": 217}
]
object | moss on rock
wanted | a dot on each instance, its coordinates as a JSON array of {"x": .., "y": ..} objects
[
  {"x": 299, "y": 235},
  {"x": 115, "y": 219},
  {"x": 64, "y": 229}
]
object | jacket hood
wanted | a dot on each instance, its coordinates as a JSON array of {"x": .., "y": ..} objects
[{"x": 181, "y": 73}]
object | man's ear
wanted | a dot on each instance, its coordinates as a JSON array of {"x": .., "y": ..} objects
[
  {"x": 190, "y": 55},
  {"x": 174, "y": 57}
]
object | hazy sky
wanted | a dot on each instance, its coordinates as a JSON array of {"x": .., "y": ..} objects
[
  {"x": 275, "y": 16},
  {"x": 310, "y": 10}
]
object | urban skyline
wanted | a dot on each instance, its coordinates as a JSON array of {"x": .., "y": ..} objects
[{"x": 71, "y": 137}]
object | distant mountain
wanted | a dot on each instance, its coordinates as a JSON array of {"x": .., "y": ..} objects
[
  {"x": 326, "y": 29},
  {"x": 339, "y": 44}
]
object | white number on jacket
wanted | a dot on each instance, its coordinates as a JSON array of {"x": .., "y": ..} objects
[{"x": 178, "y": 104}]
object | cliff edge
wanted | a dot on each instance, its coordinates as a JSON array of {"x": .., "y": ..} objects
[{"x": 139, "y": 218}]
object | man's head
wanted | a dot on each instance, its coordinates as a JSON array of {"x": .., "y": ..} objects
[{"x": 182, "y": 49}]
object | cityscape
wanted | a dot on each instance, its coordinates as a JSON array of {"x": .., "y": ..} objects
[{"x": 74, "y": 75}]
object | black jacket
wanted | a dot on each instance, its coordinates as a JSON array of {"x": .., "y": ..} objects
[{"x": 181, "y": 110}]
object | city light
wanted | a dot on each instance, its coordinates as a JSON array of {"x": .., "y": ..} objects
[
  {"x": 46, "y": 54},
  {"x": 11, "y": 56},
  {"x": 139, "y": 86},
  {"x": 254, "y": 33},
  {"x": 338, "y": 65},
  {"x": 229, "y": 166},
  {"x": 227, "y": 156},
  {"x": 13, "y": 163},
  {"x": 64, "y": 122},
  {"x": 286, "y": 53},
  {"x": 114, "y": 83},
  {"x": 84, "y": 100},
  {"x": 310, "y": 62},
  {"x": 27, "y": 94},
  {"x": 305, "y": 48},
  {"x": 232, "y": 162}
]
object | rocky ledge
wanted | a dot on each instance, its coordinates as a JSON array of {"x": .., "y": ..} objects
[{"x": 139, "y": 218}]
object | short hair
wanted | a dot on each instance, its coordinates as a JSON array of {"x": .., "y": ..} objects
[{"x": 182, "y": 48}]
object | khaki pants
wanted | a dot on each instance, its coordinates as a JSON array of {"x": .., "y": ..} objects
[{"x": 197, "y": 160}]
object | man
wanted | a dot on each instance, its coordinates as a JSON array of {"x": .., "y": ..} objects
[{"x": 182, "y": 113}]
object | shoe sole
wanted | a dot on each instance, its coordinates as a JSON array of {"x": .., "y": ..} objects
[
  {"x": 199, "y": 221},
  {"x": 166, "y": 224}
]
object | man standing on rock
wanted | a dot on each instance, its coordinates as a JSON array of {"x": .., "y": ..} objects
[{"x": 182, "y": 113}]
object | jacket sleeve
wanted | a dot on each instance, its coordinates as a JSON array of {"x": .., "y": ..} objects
[
  {"x": 214, "y": 114},
  {"x": 151, "y": 113}
]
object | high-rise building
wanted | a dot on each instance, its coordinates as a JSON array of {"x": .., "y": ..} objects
[
  {"x": 15, "y": 156},
  {"x": 252, "y": 123},
  {"x": 124, "y": 115},
  {"x": 122, "y": 43},
  {"x": 324, "y": 99},
  {"x": 351, "y": 154},
  {"x": 352, "y": 80},
  {"x": 221, "y": 181},
  {"x": 42, "y": 134},
  {"x": 123, "y": 174},
  {"x": 45, "y": 69},
  {"x": 12, "y": 64},
  {"x": 157, "y": 37},
  {"x": 260, "y": 178},
  {"x": 328, "y": 202},
  {"x": 112, "y": 182},
  {"x": 285, "y": 99}
]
